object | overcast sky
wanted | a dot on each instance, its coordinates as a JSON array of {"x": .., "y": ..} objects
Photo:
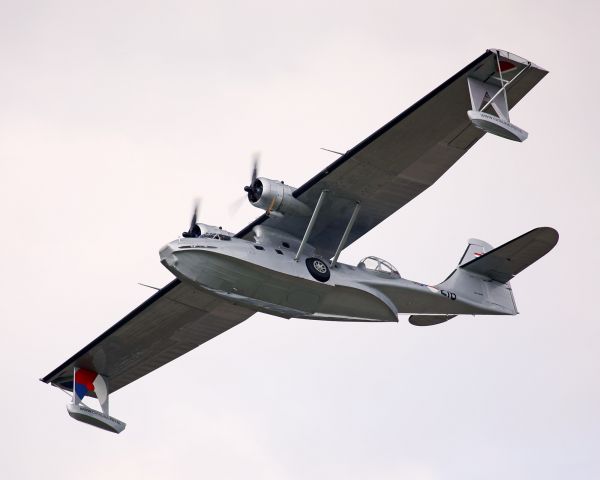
[{"x": 115, "y": 115}]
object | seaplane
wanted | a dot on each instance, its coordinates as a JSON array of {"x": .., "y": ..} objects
[{"x": 286, "y": 262}]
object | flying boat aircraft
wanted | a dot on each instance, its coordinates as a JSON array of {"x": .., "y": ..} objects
[{"x": 286, "y": 262}]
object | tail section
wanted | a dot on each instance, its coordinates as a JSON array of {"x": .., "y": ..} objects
[{"x": 484, "y": 273}]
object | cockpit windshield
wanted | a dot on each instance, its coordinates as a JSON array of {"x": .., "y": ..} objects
[
  {"x": 216, "y": 236},
  {"x": 378, "y": 265}
]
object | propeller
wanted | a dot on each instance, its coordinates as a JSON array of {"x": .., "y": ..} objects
[
  {"x": 235, "y": 206},
  {"x": 194, "y": 230},
  {"x": 255, "y": 188}
]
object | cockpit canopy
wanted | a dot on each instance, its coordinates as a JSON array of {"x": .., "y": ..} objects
[{"x": 378, "y": 265}]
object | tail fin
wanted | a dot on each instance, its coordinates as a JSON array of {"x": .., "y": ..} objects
[
  {"x": 484, "y": 273},
  {"x": 475, "y": 249}
]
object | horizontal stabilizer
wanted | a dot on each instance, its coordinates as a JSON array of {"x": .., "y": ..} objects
[
  {"x": 428, "y": 320},
  {"x": 503, "y": 263}
]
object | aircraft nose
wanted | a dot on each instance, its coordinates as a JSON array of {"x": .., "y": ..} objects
[{"x": 167, "y": 257}]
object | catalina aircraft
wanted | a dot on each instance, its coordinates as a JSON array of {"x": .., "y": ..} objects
[{"x": 285, "y": 263}]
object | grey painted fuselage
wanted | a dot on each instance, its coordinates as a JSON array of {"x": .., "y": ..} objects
[{"x": 276, "y": 283}]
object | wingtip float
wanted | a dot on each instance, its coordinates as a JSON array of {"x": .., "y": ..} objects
[
  {"x": 88, "y": 383},
  {"x": 489, "y": 95}
]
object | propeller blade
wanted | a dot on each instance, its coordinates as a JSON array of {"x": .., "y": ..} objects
[
  {"x": 194, "y": 230},
  {"x": 237, "y": 204},
  {"x": 252, "y": 189},
  {"x": 195, "y": 214},
  {"x": 255, "y": 168}
]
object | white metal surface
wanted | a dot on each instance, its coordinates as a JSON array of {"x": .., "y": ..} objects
[
  {"x": 497, "y": 126},
  {"x": 97, "y": 419}
]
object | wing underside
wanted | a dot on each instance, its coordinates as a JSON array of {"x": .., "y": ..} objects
[
  {"x": 175, "y": 320},
  {"x": 400, "y": 160}
]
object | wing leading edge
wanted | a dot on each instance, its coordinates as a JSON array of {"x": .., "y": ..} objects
[
  {"x": 175, "y": 320},
  {"x": 400, "y": 160}
]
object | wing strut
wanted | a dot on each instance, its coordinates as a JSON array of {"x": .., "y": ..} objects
[
  {"x": 311, "y": 224},
  {"x": 346, "y": 233}
]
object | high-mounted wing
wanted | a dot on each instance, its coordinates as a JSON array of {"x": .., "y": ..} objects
[
  {"x": 172, "y": 322},
  {"x": 404, "y": 157}
]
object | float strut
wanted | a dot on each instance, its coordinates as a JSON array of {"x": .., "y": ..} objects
[{"x": 503, "y": 87}]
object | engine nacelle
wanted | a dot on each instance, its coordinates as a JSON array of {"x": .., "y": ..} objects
[{"x": 274, "y": 196}]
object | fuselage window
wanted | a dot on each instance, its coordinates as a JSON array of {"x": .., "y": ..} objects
[
  {"x": 279, "y": 252},
  {"x": 258, "y": 247},
  {"x": 285, "y": 244}
]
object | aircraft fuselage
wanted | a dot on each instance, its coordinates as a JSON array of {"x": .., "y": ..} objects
[{"x": 261, "y": 278}]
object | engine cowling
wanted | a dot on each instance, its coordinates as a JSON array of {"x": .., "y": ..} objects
[{"x": 274, "y": 196}]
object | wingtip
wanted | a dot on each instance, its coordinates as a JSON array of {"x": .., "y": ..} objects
[
  {"x": 550, "y": 233},
  {"x": 517, "y": 58}
]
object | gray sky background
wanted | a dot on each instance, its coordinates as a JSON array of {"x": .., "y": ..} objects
[{"x": 115, "y": 115}]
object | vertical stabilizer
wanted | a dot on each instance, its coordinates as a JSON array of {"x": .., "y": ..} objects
[
  {"x": 484, "y": 273},
  {"x": 492, "y": 295},
  {"x": 475, "y": 249}
]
